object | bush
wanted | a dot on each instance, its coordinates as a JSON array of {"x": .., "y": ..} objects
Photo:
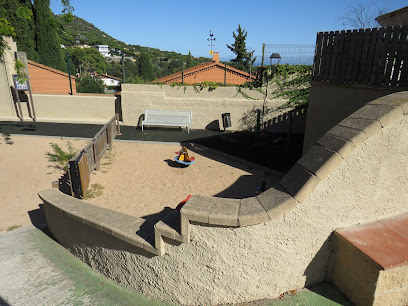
[{"x": 88, "y": 84}]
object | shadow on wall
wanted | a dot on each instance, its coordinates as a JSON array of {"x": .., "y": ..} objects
[
  {"x": 316, "y": 271},
  {"x": 118, "y": 107},
  {"x": 244, "y": 187},
  {"x": 275, "y": 122},
  {"x": 213, "y": 126},
  {"x": 3, "y": 302}
]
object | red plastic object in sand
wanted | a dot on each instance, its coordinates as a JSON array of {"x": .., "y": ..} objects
[{"x": 181, "y": 204}]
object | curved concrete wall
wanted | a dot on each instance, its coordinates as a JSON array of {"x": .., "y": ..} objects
[{"x": 356, "y": 173}]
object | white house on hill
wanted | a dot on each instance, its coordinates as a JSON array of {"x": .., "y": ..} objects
[{"x": 103, "y": 49}]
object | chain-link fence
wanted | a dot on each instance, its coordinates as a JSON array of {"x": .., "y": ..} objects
[{"x": 292, "y": 54}]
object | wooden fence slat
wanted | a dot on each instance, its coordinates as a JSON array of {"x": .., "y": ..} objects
[
  {"x": 400, "y": 54},
  {"x": 403, "y": 81},
  {"x": 376, "y": 57},
  {"x": 346, "y": 55},
  {"x": 317, "y": 59},
  {"x": 383, "y": 56},
  {"x": 74, "y": 178},
  {"x": 351, "y": 56},
  {"x": 357, "y": 56},
  {"x": 392, "y": 53},
  {"x": 324, "y": 57},
  {"x": 370, "y": 58},
  {"x": 364, "y": 57},
  {"x": 334, "y": 56},
  {"x": 84, "y": 173},
  {"x": 328, "y": 53},
  {"x": 340, "y": 54}
]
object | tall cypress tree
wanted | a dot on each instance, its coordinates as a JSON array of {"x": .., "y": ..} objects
[
  {"x": 145, "y": 67},
  {"x": 19, "y": 14},
  {"x": 48, "y": 48}
]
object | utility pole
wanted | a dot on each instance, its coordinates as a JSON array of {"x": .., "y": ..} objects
[
  {"x": 123, "y": 66},
  {"x": 69, "y": 75}
]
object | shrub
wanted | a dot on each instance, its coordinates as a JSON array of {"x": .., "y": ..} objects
[
  {"x": 88, "y": 84},
  {"x": 60, "y": 156}
]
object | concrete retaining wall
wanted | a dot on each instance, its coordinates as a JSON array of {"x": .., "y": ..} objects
[
  {"x": 207, "y": 106},
  {"x": 331, "y": 103},
  {"x": 355, "y": 173},
  {"x": 6, "y": 72},
  {"x": 96, "y": 109}
]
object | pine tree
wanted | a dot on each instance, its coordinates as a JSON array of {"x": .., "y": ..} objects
[
  {"x": 243, "y": 58},
  {"x": 48, "y": 48}
]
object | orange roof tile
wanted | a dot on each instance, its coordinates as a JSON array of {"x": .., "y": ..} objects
[
  {"x": 49, "y": 68},
  {"x": 200, "y": 67}
]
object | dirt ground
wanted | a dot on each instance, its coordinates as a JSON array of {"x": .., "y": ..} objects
[{"x": 140, "y": 179}]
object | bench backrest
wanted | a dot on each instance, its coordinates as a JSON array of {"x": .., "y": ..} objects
[{"x": 151, "y": 113}]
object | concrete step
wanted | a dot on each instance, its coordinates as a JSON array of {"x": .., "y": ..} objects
[
  {"x": 175, "y": 227},
  {"x": 370, "y": 262}
]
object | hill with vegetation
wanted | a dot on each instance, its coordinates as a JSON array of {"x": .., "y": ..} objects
[{"x": 79, "y": 32}]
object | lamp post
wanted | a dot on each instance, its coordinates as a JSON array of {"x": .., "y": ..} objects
[{"x": 277, "y": 57}]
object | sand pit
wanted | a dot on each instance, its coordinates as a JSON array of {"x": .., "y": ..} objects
[
  {"x": 142, "y": 179},
  {"x": 24, "y": 171},
  {"x": 139, "y": 179}
]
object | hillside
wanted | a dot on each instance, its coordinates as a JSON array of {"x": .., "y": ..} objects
[{"x": 165, "y": 62}]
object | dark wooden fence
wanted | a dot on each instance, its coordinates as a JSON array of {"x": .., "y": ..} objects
[
  {"x": 376, "y": 57},
  {"x": 283, "y": 123},
  {"x": 88, "y": 159}
]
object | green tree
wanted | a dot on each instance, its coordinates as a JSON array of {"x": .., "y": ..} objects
[
  {"x": 243, "y": 58},
  {"x": 189, "y": 61},
  {"x": 145, "y": 67},
  {"x": 48, "y": 48},
  {"x": 87, "y": 60},
  {"x": 88, "y": 84},
  {"x": 19, "y": 14}
]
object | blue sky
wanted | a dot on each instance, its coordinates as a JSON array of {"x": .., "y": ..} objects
[{"x": 184, "y": 26}]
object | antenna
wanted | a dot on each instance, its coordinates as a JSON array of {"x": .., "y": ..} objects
[{"x": 211, "y": 39}]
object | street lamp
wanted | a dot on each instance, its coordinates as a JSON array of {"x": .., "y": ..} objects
[{"x": 277, "y": 57}]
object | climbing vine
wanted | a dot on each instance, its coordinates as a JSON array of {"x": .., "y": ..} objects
[{"x": 293, "y": 83}]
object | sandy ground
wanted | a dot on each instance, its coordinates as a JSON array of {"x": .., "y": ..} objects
[
  {"x": 24, "y": 171},
  {"x": 136, "y": 178}
]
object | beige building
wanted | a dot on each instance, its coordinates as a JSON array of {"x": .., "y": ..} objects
[{"x": 395, "y": 18}]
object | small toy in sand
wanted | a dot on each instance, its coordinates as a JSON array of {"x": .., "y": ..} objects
[{"x": 184, "y": 158}]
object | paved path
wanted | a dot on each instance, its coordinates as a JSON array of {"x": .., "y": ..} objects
[{"x": 35, "y": 270}]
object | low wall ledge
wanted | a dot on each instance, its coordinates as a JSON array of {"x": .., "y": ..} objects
[{"x": 133, "y": 230}]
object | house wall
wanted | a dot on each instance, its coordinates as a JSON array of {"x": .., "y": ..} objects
[
  {"x": 46, "y": 81},
  {"x": 331, "y": 103},
  {"x": 206, "y": 105},
  {"x": 6, "y": 72}
]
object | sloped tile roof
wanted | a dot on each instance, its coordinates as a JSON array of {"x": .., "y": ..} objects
[
  {"x": 201, "y": 67},
  {"x": 49, "y": 69}
]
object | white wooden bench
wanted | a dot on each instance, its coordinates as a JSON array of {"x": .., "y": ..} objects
[{"x": 168, "y": 118}]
